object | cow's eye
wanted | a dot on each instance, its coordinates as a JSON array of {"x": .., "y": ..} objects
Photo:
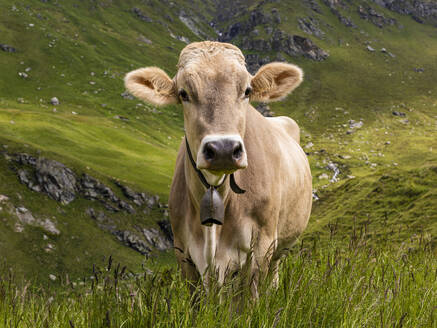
[
  {"x": 247, "y": 92},
  {"x": 184, "y": 95}
]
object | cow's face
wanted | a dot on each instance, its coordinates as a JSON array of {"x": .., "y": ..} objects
[{"x": 214, "y": 88}]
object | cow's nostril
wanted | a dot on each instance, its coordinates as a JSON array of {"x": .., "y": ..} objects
[
  {"x": 238, "y": 151},
  {"x": 209, "y": 152}
]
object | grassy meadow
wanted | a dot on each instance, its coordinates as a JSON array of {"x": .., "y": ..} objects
[{"x": 353, "y": 285}]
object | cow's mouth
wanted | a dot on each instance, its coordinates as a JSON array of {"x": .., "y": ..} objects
[{"x": 223, "y": 173}]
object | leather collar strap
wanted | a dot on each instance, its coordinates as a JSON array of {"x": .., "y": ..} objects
[{"x": 235, "y": 188}]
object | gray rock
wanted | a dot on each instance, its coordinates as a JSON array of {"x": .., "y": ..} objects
[
  {"x": 23, "y": 176},
  {"x": 187, "y": 19},
  {"x": 126, "y": 206},
  {"x": 370, "y": 48},
  {"x": 376, "y": 18},
  {"x": 25, "y": 216},
  {"x": 23, "y": 75},
  {"x": 91, "y": 188},
  {"x": 51, "y": 177},
  {"x": 309, "y": 49},
  {"x": 401, "y": 114},
  {"x": 143, "y": 39},
  {"x": 156, "y": 240},
  {"x": 49, "y": 226},
  {"x": 334, "y": 168},
  {"x": 417, "y": 9},
  {"x": 139, "y": 14},
  {"x": 310, "y": 25},
  {"x": 166, "y": 229},
  {"x": 312, "y": 4},
  {"x": 264, "y": 109},
  {"x": 122, "y": 118},
  {"x": 279, "y": 41},
  {"x": 355, "y": 125},
  {"x": 54, "y": 101},
  {"x": 58, "y": 181},
  {"x": 127, "y": 95},
  {"x": 183, "y": 39},
  {"x": 335, "y": 5},
  {"x": 7, "y": 48},
  {"x": 133, "y": 241}
]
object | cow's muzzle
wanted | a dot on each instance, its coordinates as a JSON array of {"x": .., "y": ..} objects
[{"x": 222, "y": 154}]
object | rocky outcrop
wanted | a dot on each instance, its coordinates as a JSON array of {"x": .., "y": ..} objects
[
  {"x": 49, "y": 176},
  {"x": 335, "y": 6},
  {"x": 246, "y": 31},
  {"x": 310, "y": 26},
  {"x": 143, "y": 240},
  {"x": 293, "y": 45},
  {"x": 376, "y": 18},
  {"x": 188, "y": 21},
  {"x": 308, "y": 49},
  {"x": 264, "y": 109},
  {"x": 93, "y": 189},
  {"x": 62, "y": 184},
  {"x": 139, "y": 198},
  {"x": 255, "y": 61},
  {"x": 133, "y": 241},
  {"x": 24, "y": 217},
  {"x": 312, "y": 4},
  {"x": 419, "y": 10}
]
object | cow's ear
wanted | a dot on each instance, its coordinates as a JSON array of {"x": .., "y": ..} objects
[
  {"x": 275, "y": 81},
  {"x": 152, "y": 85}
]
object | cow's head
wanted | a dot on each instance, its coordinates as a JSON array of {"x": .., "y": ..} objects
[{"x": 214, "y": 88}]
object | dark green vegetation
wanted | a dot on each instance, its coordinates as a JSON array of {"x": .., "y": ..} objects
[{"x": 386, "y": 189}]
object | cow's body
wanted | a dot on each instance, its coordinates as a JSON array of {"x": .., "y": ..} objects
[
  {"x": 227, "y": 135},
  {"x": 274, "y": 210}
]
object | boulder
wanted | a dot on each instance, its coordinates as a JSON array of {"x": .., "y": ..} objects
[
  {"x": 401, "y": 114},
  {"x": 54, "y": 101},
  {"x": 7, "y": 48},
  {"x": 58, "y": 181}
]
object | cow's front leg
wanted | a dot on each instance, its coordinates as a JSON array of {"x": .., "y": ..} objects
[
  {"x": 187, "y": 266},
  {"x": 263, "y": 249}
]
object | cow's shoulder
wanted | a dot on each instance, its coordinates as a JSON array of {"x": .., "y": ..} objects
[{"x": 288, "y": 125}]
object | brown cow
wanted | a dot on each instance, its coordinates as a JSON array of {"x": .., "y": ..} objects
[{"x": 228, "y": 137}]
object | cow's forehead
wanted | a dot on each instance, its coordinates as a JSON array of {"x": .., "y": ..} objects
[{"x": 209, "y": 53}]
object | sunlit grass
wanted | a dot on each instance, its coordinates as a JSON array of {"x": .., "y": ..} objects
[{"x": 336, "y": 285}]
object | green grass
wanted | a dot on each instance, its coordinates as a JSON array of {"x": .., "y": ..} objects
[{"x": 336, "y": 286}]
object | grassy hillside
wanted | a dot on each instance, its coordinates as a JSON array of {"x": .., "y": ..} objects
[{"x": 80, "y": 51}]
